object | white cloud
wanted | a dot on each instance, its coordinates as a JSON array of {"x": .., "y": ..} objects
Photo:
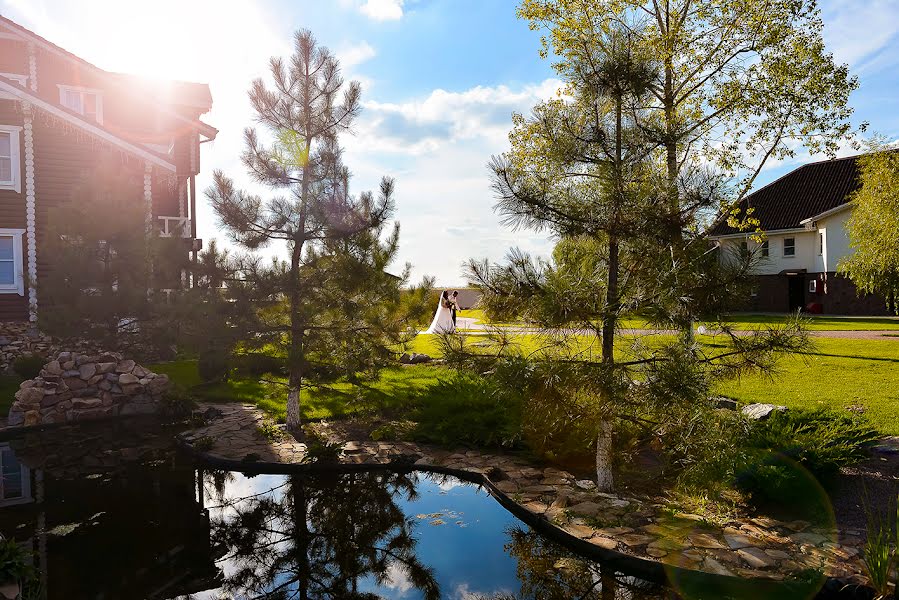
[
  {"x": 857, "y": 32},
  {"x": 383, "y": 10},
  {"x": 356, "y": 54}
]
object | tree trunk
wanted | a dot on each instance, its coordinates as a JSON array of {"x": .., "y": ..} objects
[
  {"x": 604, "y": 480},
  {"x": 295, "y": 353}
]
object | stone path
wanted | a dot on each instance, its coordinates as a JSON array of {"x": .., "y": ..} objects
[{"x": 633, "y": 525}]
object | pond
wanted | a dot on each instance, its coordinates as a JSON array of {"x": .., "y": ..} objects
[{"x": 115, "y": 513}]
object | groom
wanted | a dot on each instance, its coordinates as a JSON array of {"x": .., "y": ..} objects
[{"x": 454, "y": 301}]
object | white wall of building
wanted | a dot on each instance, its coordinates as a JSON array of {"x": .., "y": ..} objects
[{"x": 837, "y": 238}]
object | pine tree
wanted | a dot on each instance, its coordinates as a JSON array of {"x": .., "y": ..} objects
[
  {"x": 582, "y": 169},
  {"x": 341, "y": 312}
]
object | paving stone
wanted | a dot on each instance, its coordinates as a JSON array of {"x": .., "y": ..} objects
[
  {"x": 705, "y": 540},
  {"x": 632, "y": 540},
  {"x": 756, "y": 558},
  {"x": 737, "y": 541},
  {"x": 590, "y": 509},
  {"x": 808, "y": 538},
  {"x": 580, "y": 531},
  {"x": 777, "y": 554},
  {"x": 710, "y": 565},
  {"x": 614, "y": 531},
  {"x": 604, "y": 542}
]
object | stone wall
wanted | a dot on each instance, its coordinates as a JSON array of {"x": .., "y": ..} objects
[{"x": 76, "y": 387}]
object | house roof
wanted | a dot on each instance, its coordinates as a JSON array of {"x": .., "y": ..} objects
[
  {"x": 195, "y": 95},
  {"x": 12, "y": 88},
  {"x": 801, "y": 194}
]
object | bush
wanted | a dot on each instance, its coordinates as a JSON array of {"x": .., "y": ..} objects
[
  {"x": 28, "y": 366},
  {"x": 14, "y": 563},
  {"x": 790, "y": 457},
  {"x": 257, "y": 364},
  {"x": 468, "y": 409},
  {"x": 177, "y": 404},
  {"x": 212, "y": 365}
]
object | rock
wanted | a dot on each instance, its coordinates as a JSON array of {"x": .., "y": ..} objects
[
  {"x": 30, "y": 396},
  {"x": 760, "y": 411},
  {"x": 604, "y": 542},
  {"x": 737, "y": 540},
  {"x": 87, "y": 370},
  {"x": 585, "y": 484},
  {"x": 704, "y": 540},
  {"x": 887, "y": 445},
  {"x": 507, "y": 487},
  {"x": 4, "y": 341},
  {"x": 632, "y": 540},
  {"x": 756, "y": 558},
  {"x": 417, "y": 359},
  {"x": 140, "y": 371},
  {"x": 83, "y": 403},
  {"x": 726, "y": 403},
  {"x": 807, "y": 538},
  {"x": 589, "y": 509},
  {"x": 106, "y": 367},
  {"x": 32, "y": 417},
  {"x": 127, "y": 379},
  {"x": 53, "y": 367},
  {"x": 710, "y": 565},
  {"x": 125, "y": 366},
  {"x": 405, "y": 358}
]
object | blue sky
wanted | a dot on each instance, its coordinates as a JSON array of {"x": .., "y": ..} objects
[{"x": 440, "y": 81}]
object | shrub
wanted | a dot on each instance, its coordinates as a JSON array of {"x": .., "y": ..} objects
[
  {"x": 822, "y": 441},
  {"x": 14, "y": 562},
  {"x": 257, "y": 364},
  {"x": 212, "y": 365},
  {"x": 270, "y": 431},
  {"x": 468, "y": 409},
  {"x": 28, "y": 366},
  {"x": 177, "y": 404},
  {"x": 790, "y": 456}
]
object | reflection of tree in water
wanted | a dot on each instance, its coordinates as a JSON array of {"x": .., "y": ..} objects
[
  {"x": 315, "y": 538},
  {"x": 548, "y": 572}
]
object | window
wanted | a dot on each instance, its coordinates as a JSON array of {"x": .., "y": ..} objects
[
  {"x": 11, "y": 279},
  {"x": 84, "y": 101},
  {"x": 820, "y": 243},
  {"x": 15, "y": 481},
  {"x": 789, "y": 246},
  {"x": 765, "y": 249},
  {"x": 744, "y": 248},
  {"x": 10, "y": 176}
]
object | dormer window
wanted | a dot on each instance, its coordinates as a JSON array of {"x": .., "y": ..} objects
[{"x": 84, "y": 101}]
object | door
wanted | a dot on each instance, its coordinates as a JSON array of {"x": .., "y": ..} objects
[{"x": 796, "y": 292}]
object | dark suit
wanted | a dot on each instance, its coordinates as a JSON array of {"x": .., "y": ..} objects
[{"x": 454, "y": 311}]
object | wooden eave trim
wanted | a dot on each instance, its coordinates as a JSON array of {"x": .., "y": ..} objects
[{"x": 26, "y": 96}]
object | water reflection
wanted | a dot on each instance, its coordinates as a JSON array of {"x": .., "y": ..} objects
[{"x": 135, "y": 520}]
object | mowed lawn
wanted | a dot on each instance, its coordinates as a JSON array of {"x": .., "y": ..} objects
[
  {"x": 840, "y": 374},
  {"x": 861, "y": 375}
]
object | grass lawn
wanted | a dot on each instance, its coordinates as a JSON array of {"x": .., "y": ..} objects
[
  {"x": 397, "y": 387},
  {"x": 839, "y": 374}
]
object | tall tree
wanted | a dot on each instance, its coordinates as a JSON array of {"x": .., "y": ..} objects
[
  {"x": 873, "y": 265},
  {"x": 343, "y": 311},
  {"x": 582, "y": 169},
  {"x": 107, "y": 273},
  {"x": 738, "y": 82}
]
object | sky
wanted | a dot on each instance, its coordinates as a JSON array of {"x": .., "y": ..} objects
[{"x": 440, "y": 81}]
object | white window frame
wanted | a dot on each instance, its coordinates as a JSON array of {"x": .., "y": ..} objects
[
  {"x": 765, "y": 249},
  {"x": 18, "y": 284},
  {"x": 25, "y": 473},
  {"x": 15, "y": 151},
  {"x": 793, "y": 246},
  {"x": 820, "y": 243},
  {"x": 63, "y": 89}
]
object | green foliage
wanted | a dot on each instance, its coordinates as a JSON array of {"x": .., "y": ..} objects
[
  {"x": 822, "y": 441},
  {"x": 257, "y": 364},
  {"x": 204, "y": 444},
  {"x": 101, "y": 273},
  {"x": 873, "y": 266},
  {"x": 881, "y": 551},
  {"x": 790, "y": 456},
  {"x": 331, "y": 309},
  {"x": 213, "y": 364},
  {"x": 320, "y": 450},
  {"x": 470, "y": 410},
  {"x": 15, "y": 563},
  {"x": 177, "y": 404},
  {"x": 28, "y": 366},
  {"x": 270, "y": 431}
]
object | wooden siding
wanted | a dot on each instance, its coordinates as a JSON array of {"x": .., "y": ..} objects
[{"x": 14, "y": 307}]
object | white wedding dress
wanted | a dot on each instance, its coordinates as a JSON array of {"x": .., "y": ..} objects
[{"x": 443, "y": 320}]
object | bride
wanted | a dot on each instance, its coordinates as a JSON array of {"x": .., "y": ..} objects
[{"x": 443, "y": 318}]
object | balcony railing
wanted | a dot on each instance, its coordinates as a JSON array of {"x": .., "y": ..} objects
[{"x": 174, "y": 227}]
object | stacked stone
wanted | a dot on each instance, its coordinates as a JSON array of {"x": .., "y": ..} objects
[
  {"x": 76, "y": 387},
  {"x": 17, "y": 339}
]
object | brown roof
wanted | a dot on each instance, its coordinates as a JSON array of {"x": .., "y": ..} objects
[{"x": 800, "y": 194}]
